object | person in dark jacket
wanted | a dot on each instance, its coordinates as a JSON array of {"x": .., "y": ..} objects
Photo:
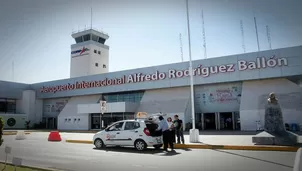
[{"x": 178, "y": 125}]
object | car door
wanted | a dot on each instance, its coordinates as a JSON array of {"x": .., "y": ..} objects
[
  {"x": 130, "y": 133},
  {"x": 113, "y": 134}
]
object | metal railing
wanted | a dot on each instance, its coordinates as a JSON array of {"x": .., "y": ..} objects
[{"x": 88, "y": 28}]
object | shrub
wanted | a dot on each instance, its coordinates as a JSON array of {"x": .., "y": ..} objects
[{"x": 1, "y": 130}]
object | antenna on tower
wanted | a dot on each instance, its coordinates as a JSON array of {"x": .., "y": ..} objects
[
  {"x": 204, "y": 36},
  {"x": 181, "y": 50},
  {"x": 268, "y": 34},
  {"x": 242, "y": 36},
  {"x": 91, "y": 18},
  {"x": 256, "y": 29}
]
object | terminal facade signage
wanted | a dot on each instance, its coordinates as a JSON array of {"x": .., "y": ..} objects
[{"x": 201, "y": 71}]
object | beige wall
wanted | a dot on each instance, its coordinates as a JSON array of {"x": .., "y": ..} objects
[
  {"x": 255, "y": 94},
  {"x": 70, "y": 111}
]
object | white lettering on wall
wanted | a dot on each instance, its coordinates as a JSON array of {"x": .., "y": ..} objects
[
  {"x": 201, "y": 71},
  {"x": 261, "y": 63}
]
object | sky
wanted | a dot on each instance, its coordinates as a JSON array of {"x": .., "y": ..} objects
[{"x": 35, "y": 35}]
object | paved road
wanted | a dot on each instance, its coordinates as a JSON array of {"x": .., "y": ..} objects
[{"x": 36, "y": 150}]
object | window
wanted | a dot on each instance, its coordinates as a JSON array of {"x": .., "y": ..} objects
[
  {"x": 79, "y": 39},
  {"x": 96, "y": 64},
  {"x": 131, "y": 98},
  {"x": 131, "y": 125},
  {"x": 94, "y": 38},
  {"x": 7, "y": 106},
  {"x": 124, "y": 97},
  {"x": 116, "y": 127},
  {"x": 112, "y": 98},
  {"x": 101, "y": 40},
  {"x": 99, "y": 52},
  {"x": 120, "y": 98},
  {"x": 2, "y": 107},
  {"x": 104, "y": 66},
  {"x": 86, "y": 37},
  {"x": 95, "y": 51}
]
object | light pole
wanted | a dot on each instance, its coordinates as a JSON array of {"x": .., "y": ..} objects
[{"x": 194, "y": 133}]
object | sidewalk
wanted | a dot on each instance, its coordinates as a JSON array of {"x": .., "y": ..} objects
[{"x": 240, "y": 140}]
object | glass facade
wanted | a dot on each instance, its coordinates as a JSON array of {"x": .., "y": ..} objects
[
  {"x": 94, "y": 37},
  {"x": 79, "y": 39},
  {"x": 7, "y": 106},
  {"x": 100, "y": 121},
  {"x": 88, "y": 37},
  {"x": 124, "y": 97}
]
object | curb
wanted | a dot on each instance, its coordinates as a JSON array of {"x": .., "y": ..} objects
[
  {"x": 29, "y": 167},
  {"x": 14, "y": 133},
  {"x": 237, "y": 147},
  {"x": 79, "y": 141},
  {"x": 219, "y": 147}
]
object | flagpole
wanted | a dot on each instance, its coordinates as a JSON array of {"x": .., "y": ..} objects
[{"x": 194, "y": 133}]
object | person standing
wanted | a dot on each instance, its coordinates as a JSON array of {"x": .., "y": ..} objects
[
  {"x": 229, "y": 123},
  {"x": 171, "y": 128},
  {"x": 164, "y": 127},
  {"x": 178, "y": 125}
]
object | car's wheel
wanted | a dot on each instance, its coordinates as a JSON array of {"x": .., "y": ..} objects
[
  {"x": 158, "y": 146},
  {"x": 140, "y": 145},
  {"x": 98, "y": 143}
]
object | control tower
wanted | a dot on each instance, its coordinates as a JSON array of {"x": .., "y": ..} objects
[{"x": 89, "y": 55}]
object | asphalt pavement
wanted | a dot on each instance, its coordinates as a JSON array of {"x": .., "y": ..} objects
[{"x": 37, "y": 151}]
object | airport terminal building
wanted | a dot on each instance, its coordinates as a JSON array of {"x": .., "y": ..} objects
[{"x": 230, "y": 89}]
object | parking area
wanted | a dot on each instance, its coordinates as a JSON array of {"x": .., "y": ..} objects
[{"x": 36, "y": 150}]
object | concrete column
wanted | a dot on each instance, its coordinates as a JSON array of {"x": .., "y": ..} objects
[{"x": 217, "y": 121}]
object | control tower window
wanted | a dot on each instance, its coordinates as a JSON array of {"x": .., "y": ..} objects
[
  {"x": 99, "y": 52},
  {"x": 101, "y": 40},
  {"x": 94, "y": 38},
  {"x": 79, "y": 39},
  {"x": 95, "y": 51},
  {"x": 86, "y": 37},
  {"x": 96, "y": 64},
  {"x": 104, "y": 66}
]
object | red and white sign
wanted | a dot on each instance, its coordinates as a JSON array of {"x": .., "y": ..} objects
[{"x": 202, "y": 71}]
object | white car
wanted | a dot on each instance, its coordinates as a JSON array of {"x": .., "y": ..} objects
[{"x": 139, "y": 133}]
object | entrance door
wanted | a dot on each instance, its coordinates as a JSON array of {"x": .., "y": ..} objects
[
  {"x": 226, "y": 121},
  {"x": 95, "y": 121},
  {"x": 51, "y": 123},
  {"x": 209, "y": 120},
  {"x": 55, "y": 123},
  {"x": 198, "y": 120}
]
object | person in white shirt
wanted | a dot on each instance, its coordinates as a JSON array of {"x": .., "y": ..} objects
[
  {"x": 171, "y": 128},
  {"x": 164, "y": 127}
]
